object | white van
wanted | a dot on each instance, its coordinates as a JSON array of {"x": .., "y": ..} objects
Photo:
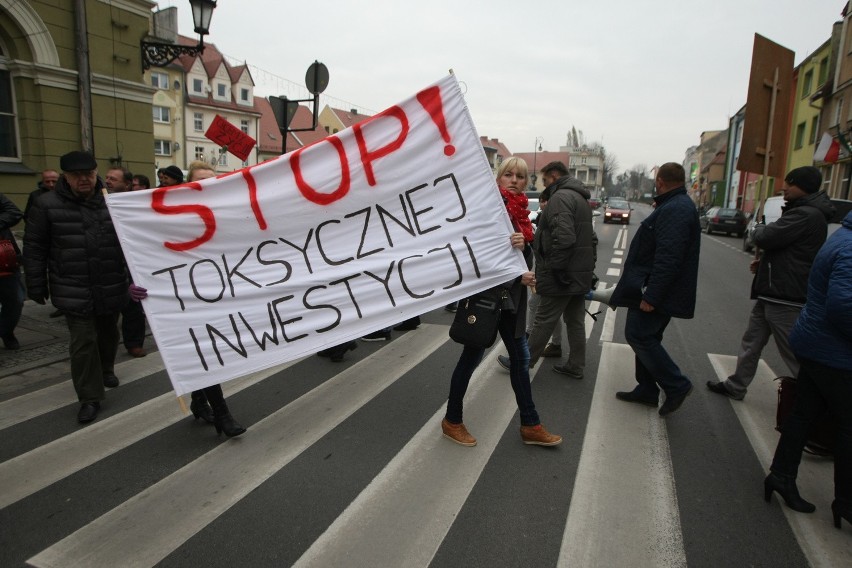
[{"x": 771, "y": 213}]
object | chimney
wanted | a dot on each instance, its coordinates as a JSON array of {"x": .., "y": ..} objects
[{"x": 354, "y": 111}]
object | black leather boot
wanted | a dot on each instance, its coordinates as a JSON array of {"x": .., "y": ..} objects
[
  {"x": 222, "y": 418},
  {"x": 785, "y": 486},
  {"x": 839, "y": 510},
  {"x": 200, "y": 408}
]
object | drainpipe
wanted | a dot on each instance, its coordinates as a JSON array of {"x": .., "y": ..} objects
[{"x": 84, "y": 75}]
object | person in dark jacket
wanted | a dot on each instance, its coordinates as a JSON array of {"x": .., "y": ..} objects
[
  {"x": 822, "y": 340},
  {"x": 11, "y": 292},
  {"x": 787, "y": 248},
  {"x": 72, "y": 256},
  {"x": 512, "y": 179},
  {"x": 658, "y": 283},
  {"x": 564, "y": 250},
  {"x": 47, "y": 183}
]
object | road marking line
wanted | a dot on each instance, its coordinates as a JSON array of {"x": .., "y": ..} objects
[
  {"x": 613, "y": 272},
  {"x": 612, "y": 522},
  {"x": 402, "y": 517},
  {"x": 615, "y": 261},
  {"x": 27, "y": 406},
  {"x": 618, "y": 252},
  {"x": 27, "y": 473},
  {"x": 820, "y": 541},
  {"x": 195, "y": 495}
]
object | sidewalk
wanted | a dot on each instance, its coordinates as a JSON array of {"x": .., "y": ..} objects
[{"x": 43, "y": 357}]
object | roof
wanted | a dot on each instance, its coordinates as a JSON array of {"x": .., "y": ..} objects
[
  {"x": 348, "y": 117},
  {"x": 496, "y": 145},
  {"x": 303, "y": 119},
  {"x": 537, "y": 160},
  {"x": 268, "y": 135}
]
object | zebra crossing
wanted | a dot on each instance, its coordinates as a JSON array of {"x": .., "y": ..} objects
[{"x": 344, "y": 465}]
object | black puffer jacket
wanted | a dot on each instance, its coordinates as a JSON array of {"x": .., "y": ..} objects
[
  {"x": 564, "y": 242},
  {"x": 71, "y": 242},
  {"x": 789, "y": 246}
]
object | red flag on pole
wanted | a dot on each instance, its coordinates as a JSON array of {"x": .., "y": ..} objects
[{"x": 232, "y": 138}]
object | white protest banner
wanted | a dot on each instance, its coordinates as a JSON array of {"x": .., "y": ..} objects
[{"x": 386, "y": 220}]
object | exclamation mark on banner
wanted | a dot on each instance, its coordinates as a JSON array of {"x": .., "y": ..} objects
[{"x": 431, "y": 100}]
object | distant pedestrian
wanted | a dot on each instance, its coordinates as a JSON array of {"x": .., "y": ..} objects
[
  {"x": 72, "y": 256},
  {"x": 11, "y": 290},
  {"x": 140, "y": 182},
  {"x": 564, "y": 249},
  {"x": 659, "y": 282},
  {"x": 169, "y": 176},
  {"x": 47, "y": 183},
  {"x": 787, "y": 248},
  {"x": 118, "y": 180},
  {"x": 822, "y": 340}
]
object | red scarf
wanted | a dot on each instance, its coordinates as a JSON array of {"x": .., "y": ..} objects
[{"x": 516, "y": 205}]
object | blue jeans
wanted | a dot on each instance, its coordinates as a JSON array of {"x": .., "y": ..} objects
[
  {"x": 519, "y": 374},
  {"x": 818, "y": 388},
  {"x": 11, "y": 303},
  {"x": 644, "y": 333}
]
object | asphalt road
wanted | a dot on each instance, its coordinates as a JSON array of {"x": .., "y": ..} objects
[{"x": 344, "y": 464}]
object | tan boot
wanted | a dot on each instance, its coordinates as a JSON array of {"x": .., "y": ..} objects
[
  {"x": 457, "y": 433},
  {"x": 539, "y": 436}
]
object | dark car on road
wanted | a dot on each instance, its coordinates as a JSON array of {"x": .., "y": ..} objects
[
  {"x": 724, "y": 220},
  {"x": 617, "y": 211}
]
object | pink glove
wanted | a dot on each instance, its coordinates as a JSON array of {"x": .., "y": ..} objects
[{"x": 137, "y": 293}]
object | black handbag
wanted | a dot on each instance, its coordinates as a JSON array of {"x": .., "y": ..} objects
[{"x": 477, "y": 318}]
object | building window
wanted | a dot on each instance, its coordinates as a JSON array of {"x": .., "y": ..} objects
[
  {"x": 161, "y": 114},
  {"x": 198, "y": 86},
  {"x": 244, "y": 126},
  {"x": 198, "y": 121},
  {"x": 199, "y": 153},
  {"x": 221, "y": 89},
  {"x": 807, "y": 83},
  {"x": 159, "y": 80},
  {"x": 223, "y": 158},
  {"x": 8, "y": 119},
  {"x": 800, "y": 136},
  {"x": 244, "y": 95},
  {"x": 838, "y": 111},
  {"x": 814, "y": 126},
  {"x": 162, "y": 148},
  {"x": 823, "y": 70}
]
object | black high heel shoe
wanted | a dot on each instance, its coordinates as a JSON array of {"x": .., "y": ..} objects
[
  {"x": 200, "y": 408},
  {"x": 339, "y": 351},
  {"x": 226, "y": 423},
  {"x": 785, "y": 486},
  {"x": 838, "y": 512}
]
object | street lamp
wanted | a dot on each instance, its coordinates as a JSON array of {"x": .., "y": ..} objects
[
  {"x": 159, "y": 54},
  {"x": 536, "y": 150}
]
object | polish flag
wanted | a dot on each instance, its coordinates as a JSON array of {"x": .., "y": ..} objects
[{"x": 828, "y": 149}]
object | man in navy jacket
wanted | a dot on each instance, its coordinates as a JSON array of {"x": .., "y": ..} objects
[{"x": 659, "y": 283}]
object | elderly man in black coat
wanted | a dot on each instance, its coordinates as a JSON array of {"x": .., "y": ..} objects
[
  {"x": 659, "y": 282},
  {"x": 72, "y": 256}
]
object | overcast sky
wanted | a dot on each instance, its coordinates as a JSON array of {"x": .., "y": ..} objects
[{"x": 644, "y": 78}]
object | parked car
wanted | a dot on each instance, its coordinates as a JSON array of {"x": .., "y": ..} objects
[
  {"x": 724, "y": 220},
  {"x": 594, "y": 202},
  {"x": 617, "y": 211},
  {"x": 771, "y": 212},
  {"x": 534, "y": 207}
]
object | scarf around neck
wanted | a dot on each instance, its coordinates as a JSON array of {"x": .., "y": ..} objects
[{"x": 516, "y": 205}]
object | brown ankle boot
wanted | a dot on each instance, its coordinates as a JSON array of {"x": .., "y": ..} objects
[{"x": 457, "y": 433}]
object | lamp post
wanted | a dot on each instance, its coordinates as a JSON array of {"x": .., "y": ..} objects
[
  {"x": 160, "y": 54},
  {"x": 536, "y": 150}
]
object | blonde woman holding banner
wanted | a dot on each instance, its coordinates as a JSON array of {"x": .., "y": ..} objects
[{"x": 512, "y": 179}]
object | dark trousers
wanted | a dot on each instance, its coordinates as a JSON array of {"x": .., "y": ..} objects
[
  {"x": 519, "y": 374},
  {"x": 11, "y": 303},
  {"x": 93, "y": 345},
  {"x": 133, "y": 325},
  {"x": 654, "y": 366},
  {"x": 819, "y": 388}
]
